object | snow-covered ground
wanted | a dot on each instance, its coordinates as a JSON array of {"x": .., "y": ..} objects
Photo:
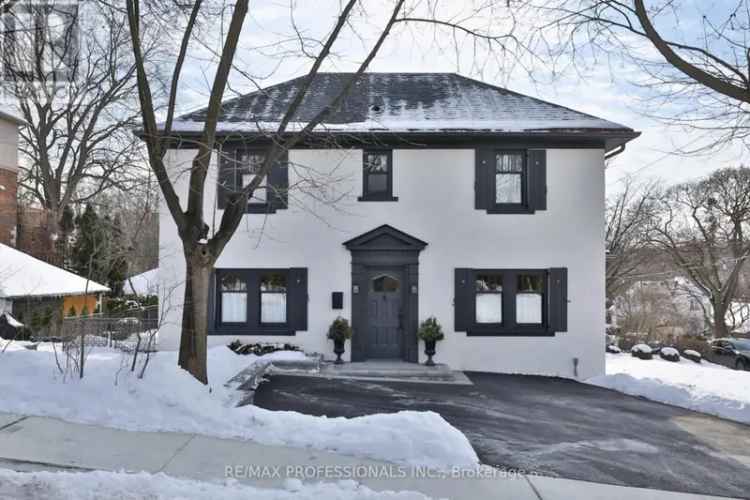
[
  {"x": 111, "y": 485},
  {"x": 704, "y": 387},
  {"x": 168, "y": 399}
]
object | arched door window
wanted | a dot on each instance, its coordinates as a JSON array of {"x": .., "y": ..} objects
[{"x": 385, "y": 283}]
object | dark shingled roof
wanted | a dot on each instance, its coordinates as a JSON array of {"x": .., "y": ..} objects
[{"x": 405, "y": 102}]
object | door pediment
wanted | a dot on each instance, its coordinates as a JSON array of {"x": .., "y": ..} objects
[{"x": 385, "y": 237}]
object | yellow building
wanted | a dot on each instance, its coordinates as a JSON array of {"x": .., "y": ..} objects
[{"x": 28, "y": 284}]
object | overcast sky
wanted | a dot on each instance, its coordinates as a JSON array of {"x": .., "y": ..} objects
[{"x": 607, "y": 88}]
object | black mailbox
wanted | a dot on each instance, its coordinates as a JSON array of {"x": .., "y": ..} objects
[{"x": 337, "y": 300}]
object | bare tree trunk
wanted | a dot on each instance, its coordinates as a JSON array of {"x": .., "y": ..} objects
[
  {"x": 720, "y": 322},
  {"x": 195, "y": 315}
]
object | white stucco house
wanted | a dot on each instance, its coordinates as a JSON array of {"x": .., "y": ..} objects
[{"x": 423, "y": 195}]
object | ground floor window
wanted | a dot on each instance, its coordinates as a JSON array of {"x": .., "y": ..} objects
[
  {"x": 233, "y": 298},
  {"x": 489, "y": 298},
  {"x": 259, "y": 301},
  {"x": 273, "y": 298},
  {"x": 511, "y": 301}
]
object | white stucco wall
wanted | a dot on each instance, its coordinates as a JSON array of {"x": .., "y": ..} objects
[{"x": 436, "y": 204}]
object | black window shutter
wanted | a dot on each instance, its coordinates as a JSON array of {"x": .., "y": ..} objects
[
  {"x": 226, "y": 180},
  {"x": 297, "y": 298},
  {"x": 484, "y": 165},
  {"x": 538, "y": 178},
  {"x": 462, "y": 300},
  {"x": 558, "y": 299},
  {"x": 278, "y": 179}
]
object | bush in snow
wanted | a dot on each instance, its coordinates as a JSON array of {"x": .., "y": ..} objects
[
  {"x": 260, "y": 348},
  {"x": 641, "y": 351},
  {"x": 693, "y": 343},
  {"x": 669, "y": 354},
  {"x": 692, "y": 355},
  {"x": 613, "y": 349}
]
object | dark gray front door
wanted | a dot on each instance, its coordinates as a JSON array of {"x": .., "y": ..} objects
[{"x": 385, "y": 314}]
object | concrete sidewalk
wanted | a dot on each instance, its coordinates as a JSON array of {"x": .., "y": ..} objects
[{"x": 40, "y": 443}]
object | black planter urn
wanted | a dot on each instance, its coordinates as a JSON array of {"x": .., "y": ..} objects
[
  {"x": 429, "y": 350},
  {"x": 338, "y": 349}
]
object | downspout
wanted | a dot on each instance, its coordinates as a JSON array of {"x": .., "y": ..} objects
[{"x": 619, "y": 149}]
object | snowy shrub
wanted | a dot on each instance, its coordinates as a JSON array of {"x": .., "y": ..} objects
[
  {"x": 641, "y": 351},
  {"x": 260, "y": 348},
  {"x": 693, "y": 343},
  {"x": 669, "y": 354},
  {"x": 613, "y": 349},
  {"x": 692, "y": 355}
]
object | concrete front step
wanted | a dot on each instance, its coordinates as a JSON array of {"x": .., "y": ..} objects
[{"x": 381, "y": 370}]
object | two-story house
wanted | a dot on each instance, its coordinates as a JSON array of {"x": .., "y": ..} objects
[{"x": 423, "y": 195}]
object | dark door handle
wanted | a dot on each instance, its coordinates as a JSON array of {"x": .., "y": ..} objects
[{"x": 400, "y": 320}]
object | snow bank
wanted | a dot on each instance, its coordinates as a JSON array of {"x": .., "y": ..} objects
[
  {"x": 168, "y": 399},
  {"x": 705, "y": 387},
  {"x": 99, "y": 484}
]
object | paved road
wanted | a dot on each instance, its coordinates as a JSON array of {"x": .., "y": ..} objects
[{"x": 551, "y": 426}]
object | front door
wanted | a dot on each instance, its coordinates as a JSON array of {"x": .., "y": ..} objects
[{"x": 385, "y": 314}]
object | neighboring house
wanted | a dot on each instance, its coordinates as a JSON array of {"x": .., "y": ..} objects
[
  {"x": 423, "y": 195},
  {"x": 29, "y": 285},
  {"x": 9, "y": 125},
  {"x": 21, "y": 226}
]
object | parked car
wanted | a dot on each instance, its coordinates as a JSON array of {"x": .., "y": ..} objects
[{"x": 738, "y": 349}]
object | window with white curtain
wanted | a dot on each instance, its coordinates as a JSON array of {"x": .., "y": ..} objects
[
  {"x": 273, "y": 294},
  {"x": 530, "y": 299},
  {"x": 489, "y": 298},
  {"x": 233, "y": 299}
]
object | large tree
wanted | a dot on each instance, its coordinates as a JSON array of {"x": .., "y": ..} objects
[
  {"x": 627, "y": 216},
  {"x": 704, "y": 226},
  {"x": 70, "y": 69},
  {"x": 692, "y": 59}
]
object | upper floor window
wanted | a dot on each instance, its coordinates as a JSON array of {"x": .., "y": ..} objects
[
  {"x": 249, "y": 165},
  {"x": 238, "y": 167},
  {"x": 510, "y": 178},
  {"x": 510, "y": 181},
  {"x": 377, "y": 176}
]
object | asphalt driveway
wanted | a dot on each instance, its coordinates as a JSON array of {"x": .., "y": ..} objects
[{"x": 555, "y": 427}]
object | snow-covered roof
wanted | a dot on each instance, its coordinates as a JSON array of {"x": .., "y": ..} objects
[
  {"x": 404, "y": 103},
  {"x": 143, "y": 284},
  {"x": 22, "y": 275},
  {"x": 11, "y": 117}
]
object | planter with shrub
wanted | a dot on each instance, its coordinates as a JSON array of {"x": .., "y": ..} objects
[
  {"x": 430, "y": 331},
  {"x": 641, "y": 351},
  {"x": 339, "y": 332},
  {"x": 669, "y": 354}
]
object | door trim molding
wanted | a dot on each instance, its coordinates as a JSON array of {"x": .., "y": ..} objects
[{"x": 385, "y": 246}]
